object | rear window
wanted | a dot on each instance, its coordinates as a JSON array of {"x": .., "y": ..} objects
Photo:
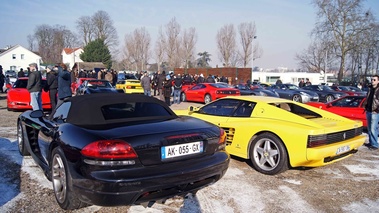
[
  {"x": 133, "y": 110},
  {"x": 24, "y": 82}
]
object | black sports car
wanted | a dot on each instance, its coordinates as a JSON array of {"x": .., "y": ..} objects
[
  {"x": 325, "y": 93},
  {"x": 96, "y": 86},
  {"x": 125, "y": 149},
  {"x": 255, "y": 90}
]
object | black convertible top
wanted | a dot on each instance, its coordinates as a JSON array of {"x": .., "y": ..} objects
[{"x": 110, "y": 108}]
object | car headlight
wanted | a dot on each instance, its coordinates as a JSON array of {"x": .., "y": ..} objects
[
  {"x": 303, "y": 93},
  {"x": 262, "y": 93}
]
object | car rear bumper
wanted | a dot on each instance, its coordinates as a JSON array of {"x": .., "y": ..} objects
[
  {"x": 152, "y": 183},
  {"x": 324, "y": 155}
]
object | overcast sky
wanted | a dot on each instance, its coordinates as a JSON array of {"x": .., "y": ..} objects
[{"x": 283, "y": 26}]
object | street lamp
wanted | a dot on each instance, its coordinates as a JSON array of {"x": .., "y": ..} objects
[{"x": 252, "y": 56}]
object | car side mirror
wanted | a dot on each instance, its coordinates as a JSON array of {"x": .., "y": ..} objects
[
  {"x": 36, "y": 114},
  {"x": 193, "y": 109}
]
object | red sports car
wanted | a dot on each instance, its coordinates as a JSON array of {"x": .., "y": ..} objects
[
  {"x": 207, "y": 92},
  {"x": 18, "y": 97},
  {"x": 348, "y": 106},
  {"x": 75, "y": 85}
]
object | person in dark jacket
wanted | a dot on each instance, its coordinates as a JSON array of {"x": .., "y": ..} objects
[
  {"x": 161, "y": 79},
  {"x": 178, "y": 84},
  {"x": 210, "y": 79},
  {"x": 21, "y": 73},
  {"x": 2, "y": 79},
  {"x": 64, "y": 83},
  {"x": 167, "y": 84},
  {"x": 52, "y": 85},
  {"x": 34, "y": 87}
]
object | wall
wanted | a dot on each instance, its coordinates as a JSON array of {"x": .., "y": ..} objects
[{"x": 236, "y": 75}]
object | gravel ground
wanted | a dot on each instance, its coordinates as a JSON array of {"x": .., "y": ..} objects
[{"x": 351, "y": 185}]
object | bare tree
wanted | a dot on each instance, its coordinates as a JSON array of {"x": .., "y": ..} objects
[
  {"x": 248, "y": 32},
  {"x": 315, "y": 58},
  {"x": 137, "y": 47},
  {"x": 51, "y": 41},
  {"x": 160, "y": 49},
  {"x": 188, "y": 45},
  {"x": 85, "y": 28},
  {"x": 342, "y": 21},
  {"x": 173, "y": 43},
  {"x": 31, "y": 42},
  {"x": 226, "y": 43},
  {"x": 104, "y": 29}
]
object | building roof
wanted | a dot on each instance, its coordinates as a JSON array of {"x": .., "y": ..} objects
[
  {"x": 68, "y": 51},
  {"x": 8, "y": 49}
]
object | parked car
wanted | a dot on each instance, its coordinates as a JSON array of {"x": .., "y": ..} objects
[
  {"x": 11, "y": 73},
  {"x": 77, "y": 83},
  {"x": 207, "y": 92},
  {"x": 354, "y": 91},
  {"x": 293, "y": 92},
  {"x": 325, "y": 93},
  {"x": 348, "y": 106},
  {"x": 96, "y": 86},
  {"x": 255, "y": 89},
  {"x": 18, "y": 97},
  {"x": 125, "y": 149},
  {"x": 276, "y": 134},
  {"x": 129, "y": 84}
]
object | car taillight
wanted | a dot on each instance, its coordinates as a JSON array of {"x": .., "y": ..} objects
[
  {"x": 222, "y": 136},
  {"x": 109, "y": 149},
  {"x": 316, "y": 140},
  {"x": 222, "y": 140},
  {"x": 128, "y": 87}
]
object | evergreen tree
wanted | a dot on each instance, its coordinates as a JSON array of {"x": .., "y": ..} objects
[{"x": 97, "y": 51}]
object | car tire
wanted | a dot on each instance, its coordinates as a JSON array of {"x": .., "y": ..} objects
[
  {"x": 21, "y": 141},
  {"x": 268, "y": 154},
  {"x": 297, "y": 98},
  {"x": 207, "y": 99},
  {"x": 183, "y": 97},
  {"x": 61, "y": 177},
  {"x": 329, "y": 98}
]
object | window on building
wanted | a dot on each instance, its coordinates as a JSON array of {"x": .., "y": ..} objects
[
  {"x": 22, "y": 56},
  {"x": 13, "y": 56}
]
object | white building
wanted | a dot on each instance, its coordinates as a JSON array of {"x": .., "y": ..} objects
[
  {"x": 71, "y": 55},
  {"x": 17, "y": 57},
  {"x": 292, "y": 77}
]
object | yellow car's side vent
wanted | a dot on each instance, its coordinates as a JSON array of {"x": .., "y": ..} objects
[{"x": 229, "y": 135}]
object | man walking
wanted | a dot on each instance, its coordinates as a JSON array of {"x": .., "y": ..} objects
[
  {"x": 34, "y": 87},
  {"x": 178, "y": 83},
  {"x": 146, "y": 84},
  {"x": 371, "y": 105}
]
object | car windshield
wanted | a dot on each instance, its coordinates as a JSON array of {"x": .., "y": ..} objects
[
  {"x": 218, "y": 85},
  {"x": 352, "y": 101},
  {"x": 325, "y": 88},
  {"x": 94, "y": 84},
  {"x": 292, "y": 86},
  {"x": 123, "y": 76}
]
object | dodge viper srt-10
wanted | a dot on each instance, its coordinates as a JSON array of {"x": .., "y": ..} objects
[{"x": 125, "y": 149}]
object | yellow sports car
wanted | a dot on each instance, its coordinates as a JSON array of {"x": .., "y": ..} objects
[
  {"x": 130, "y": 84},
  {"x": 276, "y": 134}
]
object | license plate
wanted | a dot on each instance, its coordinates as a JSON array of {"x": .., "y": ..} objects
[
  {"x": 342, "y": 149},
  {"x": 181, "y": 149}
]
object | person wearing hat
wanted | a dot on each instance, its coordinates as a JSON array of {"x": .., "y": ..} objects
[
  {"x": 34, "y": 87},
  {"x": 167, "y": 84},
  {"x": 52, "y": 86}
]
